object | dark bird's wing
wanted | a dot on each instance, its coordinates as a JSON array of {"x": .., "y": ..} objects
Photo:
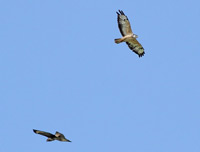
[{"x": 47, "y": 134}]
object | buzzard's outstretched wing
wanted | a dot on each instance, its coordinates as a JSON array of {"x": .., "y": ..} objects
[
  {"x": 123, "y": 24},
  {"x": 135, "y": 46},
  {"x": 47, "y": 134}
]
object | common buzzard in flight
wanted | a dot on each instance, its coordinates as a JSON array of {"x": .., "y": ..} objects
[
  {"x": 51, "y": 137},
  {"x": 128, "y": 36}
]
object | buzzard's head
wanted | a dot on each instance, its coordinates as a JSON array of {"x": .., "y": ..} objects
[{"x": 135, "y": 36}]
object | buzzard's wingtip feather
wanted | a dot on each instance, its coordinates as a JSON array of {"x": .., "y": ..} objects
[
  {"x": 141, "y": 55},
  {"x": 121, "y": 12}
]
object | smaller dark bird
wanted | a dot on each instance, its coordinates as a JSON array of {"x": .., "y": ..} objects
[{"x": 51, "y": 137}]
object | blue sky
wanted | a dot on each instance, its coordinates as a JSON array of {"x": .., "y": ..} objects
[{"x": 61, "y": 71}]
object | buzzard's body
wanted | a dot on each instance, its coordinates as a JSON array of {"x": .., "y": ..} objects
[
  {"x": 128, "y": 36},
  {"x": 51, "y": 137}
]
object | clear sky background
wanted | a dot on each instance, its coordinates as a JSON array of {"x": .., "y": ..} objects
[{"x": 60, "y": 70}]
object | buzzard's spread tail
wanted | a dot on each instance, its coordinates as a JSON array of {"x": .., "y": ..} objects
[{"x": 118, "y": 41}]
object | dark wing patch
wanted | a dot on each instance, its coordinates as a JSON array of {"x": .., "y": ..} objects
[{"x": 47, "y": 134}]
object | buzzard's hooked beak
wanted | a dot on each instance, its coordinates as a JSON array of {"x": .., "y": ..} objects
[{"x": 135, "y": 36}]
